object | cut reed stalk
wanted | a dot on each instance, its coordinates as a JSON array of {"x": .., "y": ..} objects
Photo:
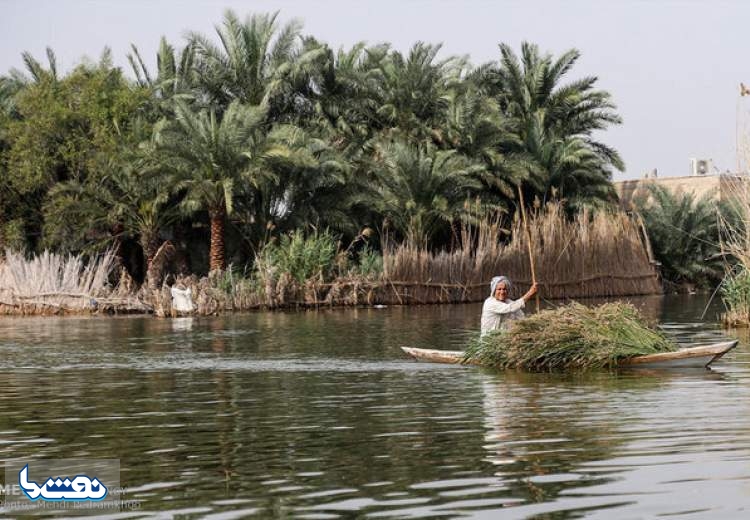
[
  {"x": 591, "y": 255},
  {"x": 528, "y": 238},
  {"x": 52, "y": 282},
  {"x": 571, "y": 337}
]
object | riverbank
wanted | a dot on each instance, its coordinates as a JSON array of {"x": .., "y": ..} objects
[
  {"x": 207, "y": 299},
  {"x": 601, "y": 255}
]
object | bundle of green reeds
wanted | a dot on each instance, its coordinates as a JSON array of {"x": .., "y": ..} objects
[{"x": 571, "y": 337}]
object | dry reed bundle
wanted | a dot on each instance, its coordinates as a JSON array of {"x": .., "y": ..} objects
[
  {"x": 51, "y": 282},
  {"x": 736, "y": 232},
  {"x": 592, "y": 255},
  {"x": 735, "y": 245},
  {"x": 571, "y": 337}
]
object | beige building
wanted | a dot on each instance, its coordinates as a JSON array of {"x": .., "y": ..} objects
[{"x": 721, "y": 186}]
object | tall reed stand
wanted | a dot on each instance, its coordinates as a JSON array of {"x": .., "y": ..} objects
[{"x": 528, "y": 241}]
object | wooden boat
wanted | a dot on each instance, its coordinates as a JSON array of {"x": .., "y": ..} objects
[{"x": 694, "y": 357}]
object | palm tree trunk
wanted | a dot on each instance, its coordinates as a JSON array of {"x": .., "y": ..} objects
[
  {"x": 181, "y": 259},
  {"x": 217, "y": 257},
  {"x": 150, "y": 244},
  {"x": 116, "y": 232}
]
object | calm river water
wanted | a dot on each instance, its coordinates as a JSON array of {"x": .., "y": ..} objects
[{"x": 318, "y": 415}]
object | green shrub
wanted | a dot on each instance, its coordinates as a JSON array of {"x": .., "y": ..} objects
[
  {"x": 13, "y": 235},
  {"x": 684, "y": 233},
  {"x": 303, "y": 258},
  {"x": 370, "y": 264},
  {"x": 231, "y": 279}
]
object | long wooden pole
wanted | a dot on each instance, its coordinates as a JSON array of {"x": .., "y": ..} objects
[{"x": 528, "y": 241}]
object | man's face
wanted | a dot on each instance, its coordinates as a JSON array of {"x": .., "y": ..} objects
[{"x": 501, "y": 291}]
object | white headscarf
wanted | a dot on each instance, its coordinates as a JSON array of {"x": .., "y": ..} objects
[{"x": 496, "y": 280}]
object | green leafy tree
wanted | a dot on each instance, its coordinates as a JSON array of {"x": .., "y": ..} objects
[
  {"x": 257, "y": 62},
  {"x": 684, "y": 234},
  {"x": 218, "y": 158},
  {"x": 10, "y": 86},
  {"x": 67, "y": 129},
  {"x": 556, "y": 123},
  {"x": 421, "y": 188}
]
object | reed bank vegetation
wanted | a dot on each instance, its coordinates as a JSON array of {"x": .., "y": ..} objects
[
  {"x": 262, "y": 168},
  {"x": 735, "y": 245}
]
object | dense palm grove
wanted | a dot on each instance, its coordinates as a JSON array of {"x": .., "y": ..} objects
[{"x": 232, "y": 142}]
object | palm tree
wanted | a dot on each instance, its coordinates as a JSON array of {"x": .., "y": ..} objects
[
  {"x": 412, "y": 88},
  {"x": 684, "y": 234},
  {"x": 255, "y": 63},
  {"x": 217, "y": 158},
  {"x": 368, "y": 96},
  {"x": 566, "y": 168},
  {"x": 555, "y": 122},
  {"x": 476, "y": 128},
  {"x": 364, "y": 91},
  {"x": 129, "y": 201},
  {"x": 421, "y": 189},
  {"x": 345, "y": 103},
  {"x": 313, "y": 184},
  {"x": 175, "y": 75},
  {"x": 37, "y": 72}
]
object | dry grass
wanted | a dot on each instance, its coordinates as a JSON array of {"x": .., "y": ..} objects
[
  {"x": 52, "y": 283},
  {"x": 735, "y": 247},
  {"x": 593, "y": 255},
  {"x": 54, "y": 274},
  {"x": 736, "y": 233},
  {"x": 571, "y": 337}
]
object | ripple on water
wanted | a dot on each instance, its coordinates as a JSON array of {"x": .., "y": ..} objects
[{"x": 287, "y": 415}]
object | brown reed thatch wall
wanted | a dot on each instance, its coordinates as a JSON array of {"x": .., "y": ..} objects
[
  {"x": 593, "y": 255},
  {"x": 603, "y": 254}
]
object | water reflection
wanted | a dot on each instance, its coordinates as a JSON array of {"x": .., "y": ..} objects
[
  {"x": 546, "y": 432},
  {"x": 540, "y": 430}
]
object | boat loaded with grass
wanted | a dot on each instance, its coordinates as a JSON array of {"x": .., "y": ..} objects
[{"x": 576, "y": 337}]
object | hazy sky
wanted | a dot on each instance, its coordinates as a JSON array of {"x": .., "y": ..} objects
[{"x": 673, "y": 67}]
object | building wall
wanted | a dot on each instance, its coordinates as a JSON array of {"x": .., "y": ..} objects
[{"x": 720, "y": 186}]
